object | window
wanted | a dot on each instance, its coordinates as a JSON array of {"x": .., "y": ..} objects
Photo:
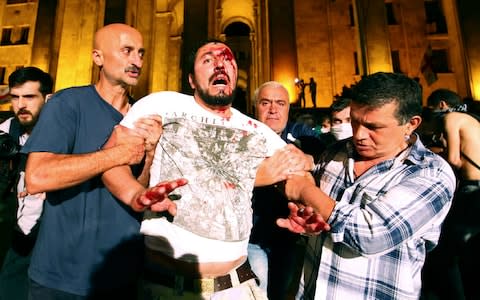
[
  {"x": 391, "y": 20},
  {"x": 396, "y": 61},
  {"x": 355, "y": 60},
  {"x": 6, "y": 36},
  {"x": 2, "y": 75},
  {"x": 114, "y": 11},
  {"x": 440, "y": 61},
  {"x": 16, "y": 1},
  {"x": 434, "y": 16},
  {"x": 351, "y": 15},
  {"x": 23, "y": 35}
]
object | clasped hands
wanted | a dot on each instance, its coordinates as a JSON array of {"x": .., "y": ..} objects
[
  {"x": 131, "y": 145},
  {"x": 283, "y": 163}
]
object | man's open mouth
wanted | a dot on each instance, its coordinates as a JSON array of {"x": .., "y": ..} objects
[{"x": 220, "y": 79}]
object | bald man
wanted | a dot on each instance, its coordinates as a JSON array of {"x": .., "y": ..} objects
[{"x": 89, "y": 246}]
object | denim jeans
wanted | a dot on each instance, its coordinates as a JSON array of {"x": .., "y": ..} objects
[{"x": 259, "y": 263}]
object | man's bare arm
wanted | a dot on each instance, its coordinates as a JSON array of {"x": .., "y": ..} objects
[
  {"x": 302, "y": 189},
  {"x": 453, "y": 122},
  {"x": 310, "y": 208},
  {"x": 47, "y": 172},
  {"x": 130, "y": 190},
  {"x": 281, "y": 164},
  {"x": 121, "y": 183}
]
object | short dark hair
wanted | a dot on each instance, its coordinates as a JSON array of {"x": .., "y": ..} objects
[
  {"x": 22, "y": 75},
  {"x": 450, "y": 97},
  {"x": 339, "y": 104},
  {"x": 193, "y": 53},
  {"x": 381, "y": 88}
]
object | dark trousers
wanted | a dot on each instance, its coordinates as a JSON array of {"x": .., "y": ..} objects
[
  {"x": 14, "y": 276},
  {"x": 39, "y": 292},
  {"x": 451, "y": 269}
]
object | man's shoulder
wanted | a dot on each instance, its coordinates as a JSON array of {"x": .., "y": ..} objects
[
  {"x": 73, "y": 94},
  {"x": 74, "y": 90},
  {"x": 458, "y": 118},
  {"x": 422, "y": 156},
  {"x": 164, "y": 99}
]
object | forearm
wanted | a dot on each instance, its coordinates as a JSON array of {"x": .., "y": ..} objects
[
  {"x": 121, "y": 183},
  {"x": 144, "y": 177},
  {"x": 47, "y": 172},
  {"x": 265, "y": 176},
  {"x": 321, "y": 203},
  {"x": 287, "y": 161}
]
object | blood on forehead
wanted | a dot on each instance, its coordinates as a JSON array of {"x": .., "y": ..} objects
[
  {"x": 227, "y": 54},
  {"x": 218, "y": 50}
]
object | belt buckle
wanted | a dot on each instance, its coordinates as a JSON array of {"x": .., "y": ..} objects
[{"x": 205, "y": 285}]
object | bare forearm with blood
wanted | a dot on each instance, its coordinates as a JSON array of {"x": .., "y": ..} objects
[{"x": 121, "y": 183}]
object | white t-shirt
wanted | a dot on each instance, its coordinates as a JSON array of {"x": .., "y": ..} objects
[
  {"x": 30, "y": 207},
  {"x": 219, "y": 157}
]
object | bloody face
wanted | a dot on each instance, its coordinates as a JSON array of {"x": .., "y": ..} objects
[{"x": 215, "y": 74}]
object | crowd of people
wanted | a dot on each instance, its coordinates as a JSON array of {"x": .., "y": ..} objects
[{"x": 177, "y": 196}]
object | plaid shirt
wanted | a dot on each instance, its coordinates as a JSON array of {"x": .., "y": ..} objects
[{"x": 383, "y": 224}]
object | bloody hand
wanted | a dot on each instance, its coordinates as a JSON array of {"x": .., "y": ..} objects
[
  {"x": 303, "y": 220},
  {"x": 157, "y": 198}
]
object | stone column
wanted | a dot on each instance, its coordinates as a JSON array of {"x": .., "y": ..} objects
[
  {"x": 42, "y": 42},
  {"x": 160, "y": 50},
  {"x": 174, "y": 72},
  {"x": 77, "y": 21},
  {"x": 282, "y": 44},
  {"x": 373, "y": 36}
]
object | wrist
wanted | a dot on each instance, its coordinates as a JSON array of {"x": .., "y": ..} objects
[
  {"x": 137, "y": 204},
  {"x": 306, "y": 191}
]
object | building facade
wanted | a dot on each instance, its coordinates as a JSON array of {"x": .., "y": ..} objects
[{"x": 333, "y": 41}]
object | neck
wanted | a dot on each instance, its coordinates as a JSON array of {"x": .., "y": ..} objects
[
  {"x": 223, "y": 111},
  {"x": 28, "y": 130},
  {"x": 377, "y": 160},
  {"x": 116, "y": 96}
]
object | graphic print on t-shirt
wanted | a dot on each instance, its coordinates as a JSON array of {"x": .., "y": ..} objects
[{"x": 220, "y": 163}]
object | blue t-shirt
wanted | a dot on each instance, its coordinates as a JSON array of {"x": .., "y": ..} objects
[{"x": 88, "y": 240}]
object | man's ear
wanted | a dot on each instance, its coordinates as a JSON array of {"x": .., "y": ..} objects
[
  {"x": 48, "y": 96},
  {"x": 413, "y": 124},
  {"x": 190, "y": 81},
  {"x": 97, "y": 57}
]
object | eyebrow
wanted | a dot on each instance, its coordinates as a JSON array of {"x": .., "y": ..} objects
[
  {"x": 272, "y": 100},
  {"x": 206, "y": 53},
  {"x": 23, "y": 95}
]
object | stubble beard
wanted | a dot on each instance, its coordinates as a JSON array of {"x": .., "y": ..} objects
[{"x": 221, "y": 99}]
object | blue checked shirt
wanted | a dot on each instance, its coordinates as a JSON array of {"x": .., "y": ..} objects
[{"x": 383, "y": 224}]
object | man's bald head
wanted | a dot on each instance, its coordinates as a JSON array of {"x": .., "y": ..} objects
[
  {"x": 111, "y": 32},
  {"x": 118, "y": 51}
]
